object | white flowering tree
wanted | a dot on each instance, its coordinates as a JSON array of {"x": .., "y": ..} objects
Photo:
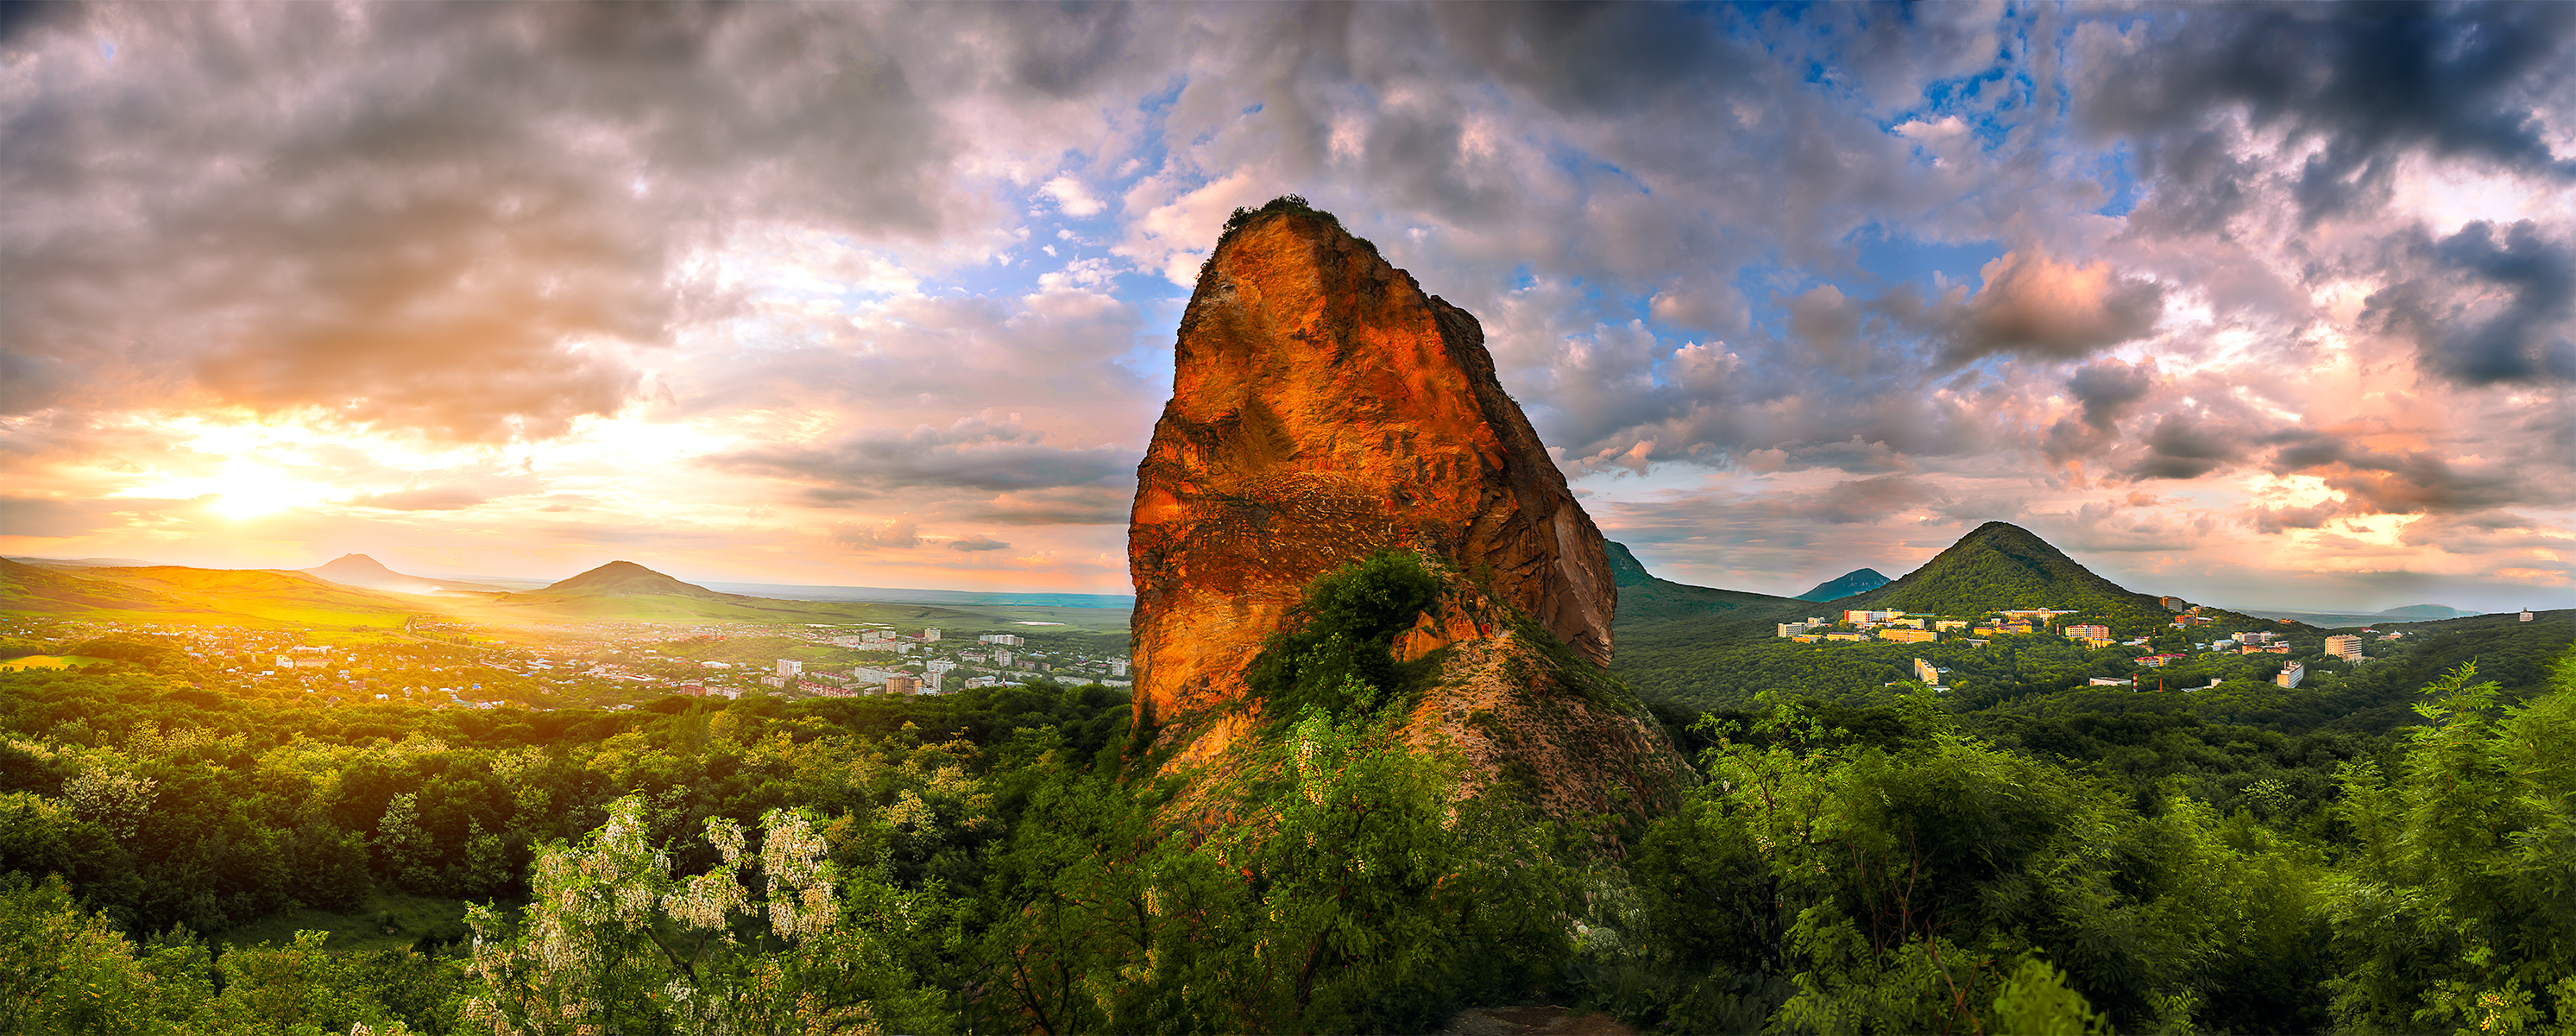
[{"x": 612, "y": 940}]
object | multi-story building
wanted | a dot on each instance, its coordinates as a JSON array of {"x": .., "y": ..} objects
[
  {"x": 1118, "y": 666},
  {"x": 1001, "y": 657},
  {"x": 2342, "y": 646},
  {"x": 790, "y": 667},
  {"x": 1005, "y": 639},
  {"x": 903, "y": 685},
  {"x": 2088, "y": 631},
  {"x": 1791, "y": 629},
  {"x": 2159, "y": 661},
  {"x": 1946, "y": 625},
  {"x": 1902, "y": 635},
  {"x": 1866, "y": 617},
  {"x": 2291, "y": 676},
  {"x": 1927, "y": 672},
  {"x": 930, "y": 635}
]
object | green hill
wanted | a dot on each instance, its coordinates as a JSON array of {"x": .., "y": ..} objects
[
  {"x": 2003, "y": 566},
  {"x": 27, "y": 588},
  {"x": 1857, "y": 581},
  {"x": 1645, "y": 600},
  {"x": 177, "y": 593},
  {"x": 628, "y": 579},
  {"x": 627, "y": 592}
]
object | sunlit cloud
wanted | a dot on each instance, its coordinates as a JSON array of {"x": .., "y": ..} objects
[{"x": 812, "y": 294}]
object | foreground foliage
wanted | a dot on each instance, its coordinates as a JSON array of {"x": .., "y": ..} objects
[{"x": 998, "y": 862}]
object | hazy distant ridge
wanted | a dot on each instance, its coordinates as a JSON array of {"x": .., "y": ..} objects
[{"x": 891, "y": 595}]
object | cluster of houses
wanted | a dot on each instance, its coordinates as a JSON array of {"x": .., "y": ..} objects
[
  {"x": 1917, "y": 628},
  {"x": 925, "y": 664}
]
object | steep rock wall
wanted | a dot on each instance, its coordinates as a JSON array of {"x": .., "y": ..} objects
[{"x": 1324, "y": 408}]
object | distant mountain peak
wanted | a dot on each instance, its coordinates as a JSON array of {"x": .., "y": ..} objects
[
  {"x": 627, "y": 579},
  {"x": 360, "y": 570},
  {"x": 2425, "y": 611},
  {"x": 1856, "y": 581}
]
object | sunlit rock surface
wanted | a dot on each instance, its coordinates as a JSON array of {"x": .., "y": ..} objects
[{"x": 1325, "y": 408}]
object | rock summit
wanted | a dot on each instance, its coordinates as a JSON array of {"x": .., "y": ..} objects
[{"x": 1325, "y": 408}]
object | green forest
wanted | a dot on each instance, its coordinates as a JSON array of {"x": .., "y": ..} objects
[{"x": 2394, "y": 854}]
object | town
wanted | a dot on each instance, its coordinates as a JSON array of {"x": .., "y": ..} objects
[
  {"x": 446, "y": 663},
  {"x": 2176, "y": 641}
]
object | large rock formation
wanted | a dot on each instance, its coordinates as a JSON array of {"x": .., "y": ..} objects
[{"x": 1324, "y": 408}]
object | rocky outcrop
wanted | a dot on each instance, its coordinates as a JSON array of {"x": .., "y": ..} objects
[{"x": 1325, "y": 408}]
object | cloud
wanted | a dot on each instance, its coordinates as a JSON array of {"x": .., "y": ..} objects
[
  {"x": 898, "y": 533},
  {"x": 2036, "y": 305},
  {"x": 2107, "y": 388},
  {"x": 2182, "y": 448},
  {"x": 972, "y": 544},
  {"x": 1864, "y": 500},
  {"x": 1071, "y": 196},
  {"x": 2354, "y": 88},
  {"x": 455, "y": 221},
  {"x": 2491, "y": 311},
  {"x": 48, "y": 518},
  {"x": 1063, "y": 505},
  {"x": 436, "y": 498},
  {"x": 976, "y": 452}
]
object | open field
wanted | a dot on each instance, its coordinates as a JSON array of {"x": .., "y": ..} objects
[{"x": 387, "y": 921}]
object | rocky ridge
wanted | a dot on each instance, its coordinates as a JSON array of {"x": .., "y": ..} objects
[{"x": 1325, "y": 408}]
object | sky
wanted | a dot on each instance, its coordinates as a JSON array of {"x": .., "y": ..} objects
[{"x": 2266, "y": 306}]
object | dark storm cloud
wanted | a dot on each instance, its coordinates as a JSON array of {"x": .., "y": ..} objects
[
  {"x": 2460, "y": 327},
  {"x": 2107, "y": 388},
  {"x": 975, "y": 453},
  {"x": 2366, "y": 83},
  {"x": 2181, "y": 447}
]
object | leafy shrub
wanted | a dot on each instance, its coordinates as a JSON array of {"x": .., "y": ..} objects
[{"x": 1346, "y": 635}]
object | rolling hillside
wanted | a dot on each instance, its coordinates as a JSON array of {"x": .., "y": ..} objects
[
  {"x": 1645, "y": 599},
  {"x": 175, "y": 593},
  {"x": 1857, "y": 581},
  {"x": 2001, "y": 566},
  {"x": 628, "y": 592}
]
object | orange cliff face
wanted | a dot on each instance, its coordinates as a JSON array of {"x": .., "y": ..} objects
[{"x": 1323, "y": 408}]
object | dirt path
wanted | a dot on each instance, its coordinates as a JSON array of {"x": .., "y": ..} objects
[{"x": 1533, "y": 1020}]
